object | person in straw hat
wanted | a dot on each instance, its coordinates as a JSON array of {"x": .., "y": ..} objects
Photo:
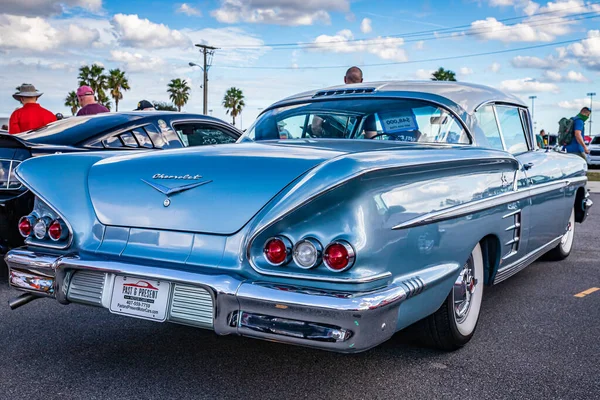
[{"x": 31, "y": 115}]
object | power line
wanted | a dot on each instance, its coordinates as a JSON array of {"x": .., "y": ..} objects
[
  {"x": 474, "y": 32},
  {"x": 413, "y": 34},
  {"x": 489, "y": 53}
]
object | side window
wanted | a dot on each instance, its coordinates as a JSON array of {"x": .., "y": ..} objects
[
  {"x": 512, "y": 129},
  {"x": 202, "y": 135},
  {"x": 487, "y": 123},
  {"x": 292, "y": 127},
  {"x": 142, "y": 138}
]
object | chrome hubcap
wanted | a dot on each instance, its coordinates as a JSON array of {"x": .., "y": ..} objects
[{"x": 463, "y": 290}]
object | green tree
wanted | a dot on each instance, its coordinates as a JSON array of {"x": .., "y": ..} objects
[
  {"x": 72, "y": 102},
  {"x": 233, "y": 101},
  {"x": 164, "y": 106},
  {"x": 117, "y": 83},
  {"x": 179, "y": 92},
  {"x": 94, "y": 77},
  {"x": 443, "y": 75}
]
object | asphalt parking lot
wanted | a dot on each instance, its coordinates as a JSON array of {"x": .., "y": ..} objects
[{"x": 535, "y": 340}]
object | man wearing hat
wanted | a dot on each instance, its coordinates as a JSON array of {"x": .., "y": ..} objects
[
  {"x": 87, "y": 100},
  {"x": 31, "y": 115},
  {"x": 145, "y": 105}
]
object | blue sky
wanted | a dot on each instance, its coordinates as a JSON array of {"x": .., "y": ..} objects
[{"x": 45, "y": 41}]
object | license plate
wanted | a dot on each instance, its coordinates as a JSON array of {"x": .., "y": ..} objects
[{"x": 141, "y": 298}]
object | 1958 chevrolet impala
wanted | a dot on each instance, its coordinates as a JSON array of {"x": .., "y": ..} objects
[{"x": 342, "y": 216}]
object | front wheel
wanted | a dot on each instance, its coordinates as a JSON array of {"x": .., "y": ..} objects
[
  {"x": 454, "y": 323},
  {"x": 563, "y": 249}
]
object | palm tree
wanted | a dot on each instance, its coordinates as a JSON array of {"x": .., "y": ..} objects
[
  {"x": 179, "y": 92},
  {"x": 95, "y": 78},
  {"x": 233, "y": 101},
  {"x": 164, "y": 106},
  {"x": 443, "y": 75},
  {"x": 117, "y": 83},
  {"x": 72, "y": 101}
]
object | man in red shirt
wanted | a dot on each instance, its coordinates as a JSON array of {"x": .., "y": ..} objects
[{"x": 31, "y": 115}]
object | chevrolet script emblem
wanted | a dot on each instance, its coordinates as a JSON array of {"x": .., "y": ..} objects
[{"x": 169, "y": 191}]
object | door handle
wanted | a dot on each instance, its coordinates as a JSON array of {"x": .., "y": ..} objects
[{"x": 527, "y": 166}]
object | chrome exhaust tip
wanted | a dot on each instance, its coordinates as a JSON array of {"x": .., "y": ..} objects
[{"x": 21, "y": 300}]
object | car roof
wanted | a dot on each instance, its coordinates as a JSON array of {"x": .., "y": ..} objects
[
  {"x": 73, "y": 130},
  {"x": 465, "y": 96}
]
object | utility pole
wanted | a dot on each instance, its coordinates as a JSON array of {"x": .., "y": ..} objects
[
  {"x": 207, "y": 52},
  {"x": 591, "y": 102}
]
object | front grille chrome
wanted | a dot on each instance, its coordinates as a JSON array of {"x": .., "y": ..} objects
[
  {"x": 86, "y": 287},
  {"x": 192, "y": 305}
]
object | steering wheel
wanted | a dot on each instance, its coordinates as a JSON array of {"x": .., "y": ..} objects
[{"x": 394, "y": 137}]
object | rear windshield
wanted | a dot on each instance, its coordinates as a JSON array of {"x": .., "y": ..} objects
[
  {"x": 397, "y": 120},
  {"x": 596, "y": 140}
]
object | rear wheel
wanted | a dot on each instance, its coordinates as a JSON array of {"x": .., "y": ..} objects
[
  {"x": 454, "y": 323},
  {"x": 563, "y": 249}
]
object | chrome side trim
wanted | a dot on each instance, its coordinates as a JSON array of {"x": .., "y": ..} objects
[
  {"x": 511, "y": 269},
  {"x": 513, "y": 227},
  {"x": 512, "y": 241},
  {"x": 510, "y": 214},
  {"x": 482, "y": 205}
]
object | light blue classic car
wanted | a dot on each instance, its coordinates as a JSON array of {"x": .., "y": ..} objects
[{"x": 341, "y": 217}]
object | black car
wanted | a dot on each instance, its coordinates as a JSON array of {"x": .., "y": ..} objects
[{"x": 132, "y": 131}]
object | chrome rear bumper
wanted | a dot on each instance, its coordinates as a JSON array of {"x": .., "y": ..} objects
[{"x": 329, "y": 320}]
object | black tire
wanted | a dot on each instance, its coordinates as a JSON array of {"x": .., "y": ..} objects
[
  {"x": 441, "y": 329},
  {"x": 564, "y": 247}
]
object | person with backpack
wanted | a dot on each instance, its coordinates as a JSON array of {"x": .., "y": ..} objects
[{"x": 571, "y": 133}]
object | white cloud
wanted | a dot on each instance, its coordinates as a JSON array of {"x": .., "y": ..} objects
[
  {"x": 465, "y": 71},
  {"x": 136, "y": 32},
  {"x": 534, "y": 31},
  {"x": 549, "y": 62},
  {"x": 280, "y": 12},
  {"x": 573, "y": 76},
  {"x": 188, "y": 10},
  {"x": 34, "y": 8},
  {"x": 587, "y": 52},
  {"x": 136, "y": 62},
  {"x": 384, "y": 47},
  {"x": 495, "y": 67},
  {"x": 552, "y": 76},
  {"x": 527, "y": 85},
  {"x": 424, "y": 74},
  {"x": 37, "y": 34},
  {"x": 420, "y": 45},
  {"x": 365, "y": 25},
  {"x": 539, "y": 27},
  {"x": 575, "y": 104}
]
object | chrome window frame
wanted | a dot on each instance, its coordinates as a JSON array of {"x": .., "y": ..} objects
[
  {"x": 13, "y": 165},
  {"x": 524, "y": 129}
]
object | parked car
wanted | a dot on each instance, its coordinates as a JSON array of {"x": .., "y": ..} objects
[
  {"x": 594, "y": 156},
  {"x": 324, "y": 239},
  {"x": 133, "y": 131}
]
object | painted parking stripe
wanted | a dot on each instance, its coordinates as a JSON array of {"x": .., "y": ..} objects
[{"x": 586, "y": 292}]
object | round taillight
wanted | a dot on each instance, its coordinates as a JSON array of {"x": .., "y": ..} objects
[
  {"x": 278, "y": 250},
  {"x": 339, "y": 256},
  {"x": 25, "y": 226},
  {"x": 40, "y": 229},
  {"x": 55, "y": 231},
  {"x": 308, "y": 253}
]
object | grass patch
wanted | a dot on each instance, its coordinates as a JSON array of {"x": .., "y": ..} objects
[{"x": 593, "y": 176}]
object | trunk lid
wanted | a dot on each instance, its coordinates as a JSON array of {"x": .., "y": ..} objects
[{"x": 212, "y": 189}]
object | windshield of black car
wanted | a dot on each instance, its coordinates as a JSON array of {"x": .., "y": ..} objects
[
  {"x": 391, "y": 119},
  {"x": 596, "y": 140}
]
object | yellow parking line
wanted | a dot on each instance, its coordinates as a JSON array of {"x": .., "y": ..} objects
[{"x": 586, "y": 292}]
